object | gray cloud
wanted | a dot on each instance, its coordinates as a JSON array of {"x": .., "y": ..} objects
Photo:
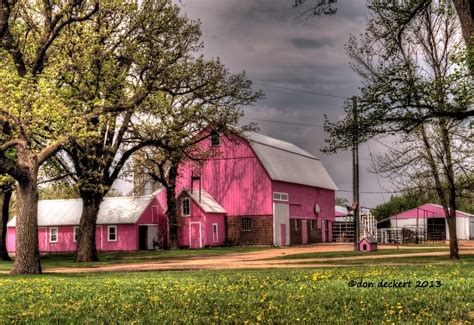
[{"x": 308, "y": 43}]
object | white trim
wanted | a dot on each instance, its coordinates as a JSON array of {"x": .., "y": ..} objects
[
  {"x": 215, "y": 240},
  {"x": 108, "y": 233},
  {"x": 182, "y": 207},
  {"x": 57, "y": 234},
  {"x": 200, "y": 233},
  {"x": 279, "y": 196},
  {"x": 75, "y": 230}
]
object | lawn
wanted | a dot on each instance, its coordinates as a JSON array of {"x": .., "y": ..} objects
[
  {"x": 389, "y": 251},
  {"x": 67, "y": 260},
  {"x": 468, "y": 258},
  {"x": 254, "y": 296}
]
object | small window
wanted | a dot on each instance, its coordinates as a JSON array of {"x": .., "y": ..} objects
[
  {"x": 76, "y": 233},
  {"x": 215, "y": 139},
  {"x": 277, "y": 196},
  {"x": 246, "y": 224},
  {"x": 185, "y": 207},
  {"x": 112, "y": 233},
  {"x": 215, "y": 234},
  {"x": 53, "y": 234}
]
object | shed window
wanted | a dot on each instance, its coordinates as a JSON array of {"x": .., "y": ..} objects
[
  {"x": 53, "y": 234},
  {"x": 185, "y": 207},
  {"x": 215, "y": 139},
  {"x": 278, "y": 196},
  {"x": 246, "y": 224},
  {"x": 112, "y": 233},
  {"x": 76, "y": 233},
  {"x": 215, "y": 234}
]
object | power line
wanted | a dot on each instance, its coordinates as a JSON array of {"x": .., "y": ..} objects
[
  {"x": 375, "y": 192},
  {"x": 283, "y": 122},
  {"x": 300, "y": 90}
]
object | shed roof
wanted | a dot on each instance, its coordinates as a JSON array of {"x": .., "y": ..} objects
[
  {"x": 428, "y": 210},
  {"x": 207, "y": 203},
  {"x": 287, "y": 162},
  {"x": 113, "y": 210}
]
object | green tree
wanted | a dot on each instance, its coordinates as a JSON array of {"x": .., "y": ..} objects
[{"x": 406, "y": 80}]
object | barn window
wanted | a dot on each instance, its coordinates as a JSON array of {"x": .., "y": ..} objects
[
  {"x": 215, "y": 139},
  {"x": 215, "y": 234},
  {"x": 112, "y": 233},
  {"x": 278, "y": 196},
  {"x": 246, "y": 224},
  {"x": 76, "y": 233},
  {"x": 53, "y": 234},
  {"x": 185, "y": 207}
]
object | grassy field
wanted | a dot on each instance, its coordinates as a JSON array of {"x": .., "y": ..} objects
[
  {"x": 253, "y": 296},
  {"x": 67, "y": 260},
  {"x": 390, "y": 251},
  {"x": 467, "y": 258}
]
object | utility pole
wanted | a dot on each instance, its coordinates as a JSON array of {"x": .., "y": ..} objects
[{"x": 355, "y": 173}]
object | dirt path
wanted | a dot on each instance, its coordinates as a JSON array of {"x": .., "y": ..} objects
[{"x": 259, "y": 259}]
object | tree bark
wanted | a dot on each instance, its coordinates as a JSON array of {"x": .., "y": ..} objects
[
  {"x": 172, "y": 207},
  {"x": 27, "y": 260},
  {"x": 465, "y": 11},
  {"x": 86, "y": 244},
  {"x": 7, "y": 195}
]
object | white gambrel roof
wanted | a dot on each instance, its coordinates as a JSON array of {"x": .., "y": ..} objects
[
  {"x": 287, "y": 162},
  {"x": 113, "y": 210},
  {"x": 207, "y": 203}
]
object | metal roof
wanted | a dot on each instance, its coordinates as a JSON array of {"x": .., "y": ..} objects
[
  {"x": 288, "y": 163},
  {"x": 113, "y": 210},
  {"x": 341, "y": 211},
  {"x": 207, "y": 203}
]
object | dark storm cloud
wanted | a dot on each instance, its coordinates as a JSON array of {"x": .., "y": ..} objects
[
  {"x": 308, "y": 43},
  {"x": 275, "y": 46}
]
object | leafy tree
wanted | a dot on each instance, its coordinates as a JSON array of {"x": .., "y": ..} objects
[
  {"x": 36, "y": 118},
  {"x": 176, "y": 129},
  {"x": 405, "y": 80},
  {"x": 342, "y": 201}
]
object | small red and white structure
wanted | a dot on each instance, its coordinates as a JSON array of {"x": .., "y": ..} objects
[
  {"x": 367, "y": 244},
  {"x": 430, "y": 218},
  {"x": 123, "y": 224}
]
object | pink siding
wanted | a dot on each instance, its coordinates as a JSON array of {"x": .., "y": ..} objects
[
  {"x": 426, "y": 211},
  {"x": 206, "y": 220},
  {"x": 235, "y": 178},
  {"x": 127, "y": 234},
  {"x": 302, "y": 200}
]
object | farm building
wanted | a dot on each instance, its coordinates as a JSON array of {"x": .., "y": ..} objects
[
  {"x": 426, "y": 222},
  {"x": 124, "y": 224},
  {"x": 257, "y": 191}
]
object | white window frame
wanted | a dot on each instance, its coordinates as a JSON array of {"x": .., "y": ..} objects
[
  {"x": 250, "y": 224},
  {"x": 186, "y": 199},
  {"x": 215, "y": 234},
  {"x": 75, "y": 233},
  {"x": 51, "y": 233},
  {"x": 280, "y": 196},
  {"x": 108, "y": 233}
]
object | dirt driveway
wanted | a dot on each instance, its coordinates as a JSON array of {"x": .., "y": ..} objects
[{"x": 258, "y": 259}]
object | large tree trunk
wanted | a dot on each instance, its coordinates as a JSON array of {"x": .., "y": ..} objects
[
  {"x": 86, "y": 245},
  {"x": 465, "y": 11},
  {"x": 27, "y": 260},
  {"x": 172, "y": 207},
  {"x": 7, "y": 195}
]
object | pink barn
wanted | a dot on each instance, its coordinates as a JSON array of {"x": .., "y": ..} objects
[
  {"x": 124, "y": 224},
  {"x": 257, "y": 191}
]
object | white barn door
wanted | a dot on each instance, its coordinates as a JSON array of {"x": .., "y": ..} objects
[{"x": 281, "y": 224}]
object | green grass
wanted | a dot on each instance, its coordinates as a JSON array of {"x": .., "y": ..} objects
[
  {"x": 265, "y": 296},
  {"x": 395, "y": 260},
  {"x": 67, "y": 260},
  {"x": 389, "y": 251}
]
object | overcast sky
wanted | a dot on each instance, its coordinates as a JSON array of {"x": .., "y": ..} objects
[{"x": 266, "y": 39}]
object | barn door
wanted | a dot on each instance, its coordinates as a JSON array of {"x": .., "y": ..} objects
[
  {"x": 281, "y": 222},
  {"x": 471, "y": 230},
  {"x": 304, "y": 231},
  {"x": 142, "y": 237},
  {"x": 195, "y": 235}
]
